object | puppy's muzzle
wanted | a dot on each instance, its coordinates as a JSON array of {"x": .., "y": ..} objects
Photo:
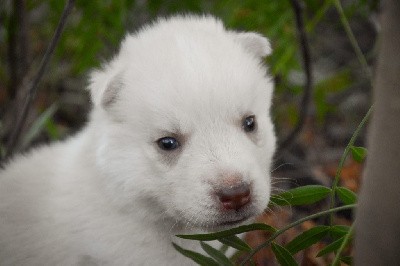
[{"x": 234, "y": 197}]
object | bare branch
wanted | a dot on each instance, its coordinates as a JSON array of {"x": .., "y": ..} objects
[
  {"x": 34, "y": 84},
  {"x": 305, "y": 50},
  {"x": 18, "y": 46}
]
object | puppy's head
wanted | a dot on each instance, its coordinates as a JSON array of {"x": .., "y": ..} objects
[{"x": 183, "y": 124}]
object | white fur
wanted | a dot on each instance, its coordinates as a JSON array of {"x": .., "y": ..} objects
[{"x": 109, "y": 195}]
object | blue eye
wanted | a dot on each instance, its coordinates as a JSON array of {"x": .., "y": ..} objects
[
  {"x": 168, "y": 143},
  {"x": 249, "y": 123}
]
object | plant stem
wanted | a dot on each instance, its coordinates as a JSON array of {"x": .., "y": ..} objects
[
  {"x": 307, "y": 92},
  {"x": 343, "y": 245},
  {"x": 281, "y": 231},
  {"x": 318, "y": 16},
  {"x": 18, "y": 45},
  {"x": 16, "y": 132},
  {"x": 352, "y": 39},
  {"x": 343, "y": 159}
]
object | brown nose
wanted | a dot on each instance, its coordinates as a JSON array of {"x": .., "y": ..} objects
[{"x": 233, "y": 198}]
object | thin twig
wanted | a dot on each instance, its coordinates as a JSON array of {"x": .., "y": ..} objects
[
  {"x": 34, "y": 84},
  {"x": 343, "y": 159},
  {"x": 305, "y": 50},
  {"x": 18, "y": 46},
  {"x": 352, "y": 38}
]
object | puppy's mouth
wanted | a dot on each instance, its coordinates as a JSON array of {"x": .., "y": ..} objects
[{"x": 234, "y": 222}]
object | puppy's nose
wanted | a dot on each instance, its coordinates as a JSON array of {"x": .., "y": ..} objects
[{"x": 234, "y": 197}]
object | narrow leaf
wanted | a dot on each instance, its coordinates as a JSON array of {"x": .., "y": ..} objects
[
  {"x": 301, "y": 195},
  {"x": 358, "y": 153},
  {"x": 39, "y": 124},
  {"x": 283, "y": 255},
  {"x": 216, "y": 254},
  {"x": 229, "y": 232},
  {"x": 331, "y": 247},
  {"x": 307, "y": 238},
  {"x": 346, "y": 195},
  {"x": 235, "y": 242},
  {"x": 196, "y": 257},
  {"x": 347, "y": 259},
  {"x": 224, "y": 248},
  {"x": 338, "y": 231}
]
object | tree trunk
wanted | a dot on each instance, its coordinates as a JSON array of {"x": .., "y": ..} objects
[{"x": 377, "y": 239}]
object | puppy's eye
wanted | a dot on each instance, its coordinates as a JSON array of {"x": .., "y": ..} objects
[
  {"x": 249, "y": 123},
  {"x": 168, "y": 143}
]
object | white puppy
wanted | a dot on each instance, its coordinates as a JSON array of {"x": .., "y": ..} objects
[{"x": 180, "y": 140}]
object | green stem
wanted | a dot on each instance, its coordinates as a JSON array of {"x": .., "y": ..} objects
[
  {"x": 353, "y": 41},
  {"x": 343, "y": 159},
  {"x": 318, "y": 16},
  {"x": 346, "y": 239},
  {"x": 284, "y": 229}
]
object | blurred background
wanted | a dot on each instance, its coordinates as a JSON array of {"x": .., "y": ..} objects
[{"x": 339, "y": 95}]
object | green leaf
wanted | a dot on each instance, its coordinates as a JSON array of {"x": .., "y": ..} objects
[
  {"x": 52, "y": 130},
  {"x": 216, "y": 254},
  {"x": 347, "y": 259},
  {"x": 283, "y": 255},
  {"x": 338, "y": 231},
  {"x": 196, "y": 257},
  {"x": 346, "y": 195},
  {"x": 235, "y": 242},
  {"x": 358, "y": 153},
  {"x": 307, "y": 238},
  {"x": 229, "y": 232},
  {"x": 301, "y": 195},
  {"x": 335, "y": 245},
  {"x": 224, "y": 248},
  {"x": 39, "y": 124}
]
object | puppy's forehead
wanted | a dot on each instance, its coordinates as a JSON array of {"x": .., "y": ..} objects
[
  {"x": 194, "y": 71},
  {"x": 199, "y": 74},
  {"x": 213, "y": 95}
]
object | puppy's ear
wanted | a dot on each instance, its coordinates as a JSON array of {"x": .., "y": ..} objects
[
  {"x": 254, "y": 43},
  {"x": 111, "y": 92},
  {"x": 104, "y": 86}
]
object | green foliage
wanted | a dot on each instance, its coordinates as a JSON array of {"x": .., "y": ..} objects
[
  {"x": 301, "y": 242},
  {"x": 346, "y": 195},
  {"x": 93, "y": 31},
  {"x": 301, "y": 195},
  {"x": 334, "y": 246},
  {"x": 89, "y": 31},
  {"x": 358, "y": 153},
  {"x": 338, "y": 82},
  {"x": 196, "y": 257},
  {"x": 307, "y": 238},
  {"x": 229, "y": 232},
  {"x": 338, "y": 231},
  {"x": 283, "y": 255},
  {"x": 347, "y": 259},
  {"x": 235, "y": 242},
  {"x": 52, "y": 130},
  {"x": 216, "y": 254}
]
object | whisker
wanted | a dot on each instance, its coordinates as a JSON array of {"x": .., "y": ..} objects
[{"x": 279, "y": 166}]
